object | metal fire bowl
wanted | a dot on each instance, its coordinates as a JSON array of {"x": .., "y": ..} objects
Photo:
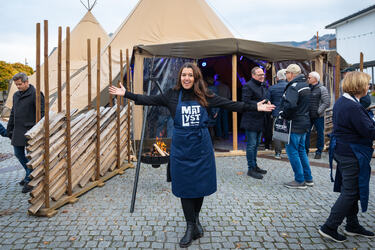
[{"x": 154, "y": 161}]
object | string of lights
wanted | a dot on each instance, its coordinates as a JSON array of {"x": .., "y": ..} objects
[{"x": 357, "y": 36}]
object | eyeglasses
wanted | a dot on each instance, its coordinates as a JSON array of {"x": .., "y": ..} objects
[{"x": 260, "y": 75}]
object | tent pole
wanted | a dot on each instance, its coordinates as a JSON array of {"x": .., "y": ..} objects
[
  {"x": 234, "y": 98},
  {"x": 361, "y": 62}
]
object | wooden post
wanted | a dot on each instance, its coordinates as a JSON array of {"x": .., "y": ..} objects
[
  {"x": 337, "y": 78},
  {"x": 46, "y": 118},
  {"x": 121, "y": 75},
  {"x": 361, "y": 62},
  {"x": 67, "y": 102},
  {"x": 317, "y": 40},
  {"x": 59, "y": 71},
  {"x": 89, "y": 74},
  {"x": 110, "y": 74},
  {"x": 319, "y": 66},
  {"x": 234, "y": 98},
  {"x": 38, "y": 115},
  {"x": 118, "y": 124},
  {"x": 97, "y": 176},
  {"x": 128, "y": 101}
]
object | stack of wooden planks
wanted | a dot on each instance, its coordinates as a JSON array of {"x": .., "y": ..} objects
[{"x": 83, "y": 152}]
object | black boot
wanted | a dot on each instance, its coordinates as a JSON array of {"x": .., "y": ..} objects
[
  {"x": 198, "y": 231},
  {"x": 188, "y": 237}
]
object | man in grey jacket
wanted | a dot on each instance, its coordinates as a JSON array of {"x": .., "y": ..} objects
[{"x": 319, "y": 102}]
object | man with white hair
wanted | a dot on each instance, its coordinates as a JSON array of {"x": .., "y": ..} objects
[
  {"x": 274, "y": 95},
  {"x": 319, "y": 102},
  {"x": 295, "y": 107}
]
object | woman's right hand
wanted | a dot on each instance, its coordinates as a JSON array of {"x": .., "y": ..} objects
[{"x": 117, "y": 91}]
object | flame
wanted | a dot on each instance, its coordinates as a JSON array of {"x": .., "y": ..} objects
[{"x": 161, "y": 145}]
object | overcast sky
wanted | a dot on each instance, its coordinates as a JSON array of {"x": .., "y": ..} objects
[{"x": 266, "y": 20}]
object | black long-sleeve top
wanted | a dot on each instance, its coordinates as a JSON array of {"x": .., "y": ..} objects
[{"x": 170, "y": 100}]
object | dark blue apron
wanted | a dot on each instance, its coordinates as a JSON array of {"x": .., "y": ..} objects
[{"x": 192, "y": 159}]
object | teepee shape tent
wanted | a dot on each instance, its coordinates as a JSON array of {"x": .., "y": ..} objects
[
  {"x": 150, "y": 22},
  {"x": 87, "y": 28}
]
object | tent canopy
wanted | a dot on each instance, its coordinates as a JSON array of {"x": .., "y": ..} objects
[{"x": 228, "y": 46}]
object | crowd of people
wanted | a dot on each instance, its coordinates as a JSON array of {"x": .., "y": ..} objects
[{"x": 195, "y": 100}]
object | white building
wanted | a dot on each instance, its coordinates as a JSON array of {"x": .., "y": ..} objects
[{"x": 355, "y": 34}]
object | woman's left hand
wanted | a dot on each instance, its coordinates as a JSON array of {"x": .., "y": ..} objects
[
  {"x": 117, "y": 91},
  {"x": 266, "y": 107}
]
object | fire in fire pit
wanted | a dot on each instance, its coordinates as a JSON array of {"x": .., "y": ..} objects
[{"x": 158, "y": 155}]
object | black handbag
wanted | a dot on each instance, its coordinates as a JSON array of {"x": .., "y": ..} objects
[{"x": 282, "y": 129}]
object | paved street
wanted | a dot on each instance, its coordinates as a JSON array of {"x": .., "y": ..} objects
[{"x": 244, "y": 213}]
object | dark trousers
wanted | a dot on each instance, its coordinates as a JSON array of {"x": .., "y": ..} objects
[
  {"x": 19, "y": 152},
  {"x": 319, "y": 126},
  {"x": 191, "y": 207},
  {"x": 347, "y": 203}
]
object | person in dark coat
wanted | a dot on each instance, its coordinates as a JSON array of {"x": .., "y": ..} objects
[
  {"x": 192, "y": 159},
  {"x": 22, "y": 118},
  {"x": 319, "y": 102},
  {"x": 295, "y": 107},
  {"x": 253, "y": 121},
  {"x": 351, "y": 143},
  {"x": 274, "y": 95}
]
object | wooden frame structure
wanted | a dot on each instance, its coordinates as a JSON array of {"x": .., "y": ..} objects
[{"x": 72, "y": 153}]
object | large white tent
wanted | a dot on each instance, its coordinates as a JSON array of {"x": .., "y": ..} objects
[{"x": 150, "y": 22}]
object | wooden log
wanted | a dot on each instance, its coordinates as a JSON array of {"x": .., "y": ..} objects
[
  {"x": 86, "y": 178},
  {"x": 37, "y": 205},
  {"x": 59, "y": 193},
  {"x": 38, "y": 127},
  {"x": 35, "y": 182},
  {"x": 161, "y": 152},
  {"x": 37, "y": 190}
]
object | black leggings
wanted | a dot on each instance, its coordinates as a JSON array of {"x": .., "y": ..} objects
[{"x": 191, "y": 207}]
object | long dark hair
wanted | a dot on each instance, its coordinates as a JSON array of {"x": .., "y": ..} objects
[{"x": 199, "y": 86}]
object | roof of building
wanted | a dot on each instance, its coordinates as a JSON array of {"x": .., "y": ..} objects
[{"x": 351, "y": 17}]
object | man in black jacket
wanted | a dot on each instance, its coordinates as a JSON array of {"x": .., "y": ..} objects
[
  {"x": 295, "y": 107},
  {"x": 22, "y": 118},
  {"x": 253, "y": 121}
]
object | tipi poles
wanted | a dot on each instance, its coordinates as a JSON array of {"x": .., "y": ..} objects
[
  {"x": 38, "y": 114},
  {"x": 128, "y": 101},
  {"x": 67, "y": 91},
  {"x": 59, "y": 70},
  {"x": 89, "y": 74},
  {"x": 97, "y": 174},
  {"x": 110, "y": 74},
  {"x": 46, "y": 118}
]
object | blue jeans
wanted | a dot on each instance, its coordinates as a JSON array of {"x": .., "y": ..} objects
[
  {"x": 19, "y": 152},
  {"x": 319, "y": 125},
  {"x": 252, "y": 143},
  {"x": 298, "y": 157},
  {"x": 222, "y": 124}
]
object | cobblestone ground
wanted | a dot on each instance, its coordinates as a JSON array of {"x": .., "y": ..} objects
[{"x": 244, "y": 213}]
